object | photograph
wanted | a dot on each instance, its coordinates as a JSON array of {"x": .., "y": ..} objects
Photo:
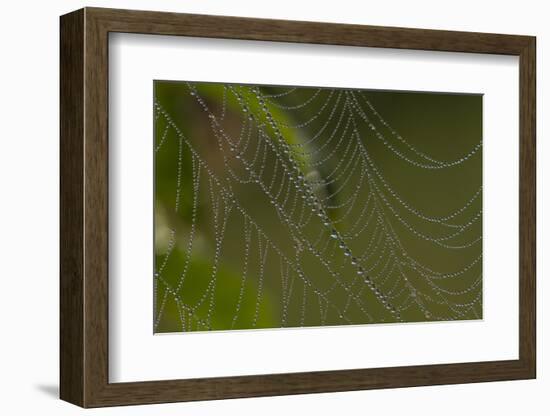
[
  {"x": 280, "y": 206},
  {"x": 274, "y": 208}
]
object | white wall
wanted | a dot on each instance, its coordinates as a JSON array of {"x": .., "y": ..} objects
[{"x": 29, "y": 206}]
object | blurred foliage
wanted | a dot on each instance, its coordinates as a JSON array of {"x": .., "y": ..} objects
[{"x": 445, "y": 126}]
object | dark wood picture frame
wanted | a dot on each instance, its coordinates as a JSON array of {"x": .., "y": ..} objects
[{"x": 84, "y": 207}]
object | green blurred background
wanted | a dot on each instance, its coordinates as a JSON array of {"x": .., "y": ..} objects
[{"x": 189, "y": 296}]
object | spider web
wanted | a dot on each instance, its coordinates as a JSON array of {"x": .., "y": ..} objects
[{"x": 284, "y": 207}]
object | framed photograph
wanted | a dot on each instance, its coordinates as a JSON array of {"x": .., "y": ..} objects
[{"x": 255, "y": 207}]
